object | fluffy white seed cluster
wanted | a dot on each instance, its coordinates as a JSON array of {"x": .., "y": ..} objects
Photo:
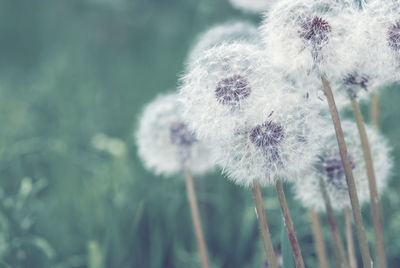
[
  {"x": 275, "y": 141},
  {"x": 219, "y": 87},
  {"x": 166, "y": 144},
  {"x": 328, "y": 167},
  {"x": 225, "y": 33},
  {"x": 253, "y": 6},
  {"x": 310, "y": 37}
]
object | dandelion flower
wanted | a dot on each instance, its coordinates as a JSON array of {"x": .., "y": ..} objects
[
  {"x": 307, "y": 36},
  {"x": 276, "y": 141},
  {"x": 218, "y": 88},
  {"x": 328, "y": 167},
  {"x": 165, "y": 142}
]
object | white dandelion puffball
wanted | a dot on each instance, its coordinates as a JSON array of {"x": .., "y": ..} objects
[
  {"x": 308, "y": 36},
  {"x": 219, "y": 87},
  {"x": 328, "y": 167},
  {"x": 166, "y": 144},
  {"x": 225, "y": 33},
  {"x": 375, "y": 61},
  {"x": 254, "y": 6},
  {"x": 380, "y": 27},
  {"x": 277, "y": 140}
]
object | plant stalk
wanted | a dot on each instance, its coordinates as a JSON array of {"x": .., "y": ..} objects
[
  {"x": 194, "y": 209},
  {"x": 376, "y": 214},
  {"x": 319, "y": 239},
  {"x": 298, "y": 258},
  {"x": 355, "y": 204},
  {"x": 263, "y": 225},
  {"x": 341, "y": 259},
  {"x": 349, "y": 239}
]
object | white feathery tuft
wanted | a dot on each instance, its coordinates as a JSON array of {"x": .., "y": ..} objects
[
  {"x": 310, "y": 37},
  {"x": 165, "y": 144},
  {"x": 219, "y": 87},
  {"x": 328, "y": 167},
  {"x": 275, "y": 141},
  {"x": 224, "y": 33}
]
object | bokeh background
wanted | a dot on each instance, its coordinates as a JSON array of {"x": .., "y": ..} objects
[{"x": 74, "y": 77}]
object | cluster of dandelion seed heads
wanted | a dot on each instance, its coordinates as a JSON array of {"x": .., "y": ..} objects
[
  {"x": 166, "y": 144},
  {"x": 274, "y": 142},
  {"x": 307, "y": 36},
  {"x": 253, "y": 6},
  {"x": 328, "y": 167},
  {"x": 230, "y": 32},
  {"x": 219, "y": 86}
]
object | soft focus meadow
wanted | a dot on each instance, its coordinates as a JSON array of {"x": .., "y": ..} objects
[{"x": 74, "y": 78}]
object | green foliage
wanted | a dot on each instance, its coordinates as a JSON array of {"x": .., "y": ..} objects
[{"x": 73, "y": 70}]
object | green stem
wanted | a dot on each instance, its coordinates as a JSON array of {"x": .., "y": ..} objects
[
  {"x": 349, "y": 239},
  {"x": 355, "y": 204},
  {"x": 319, "y": 239},
  {"x": 376, "y": 214},
  {"x": 263, "y": 225},
  {"x": 341, "y": 259},
  {"x": 194, "y": 209},
  {"x": 298, "y": 258}
]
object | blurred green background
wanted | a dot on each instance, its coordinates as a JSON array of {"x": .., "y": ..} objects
[{"x": 74, "y": 76}]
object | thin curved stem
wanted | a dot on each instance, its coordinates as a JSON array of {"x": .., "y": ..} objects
[
  {"x": 319, "y": 239},
  {"x": 349, "y": 239},
  {"x": 340, "y": 254},
  {"x": 263, "y": 225},
  {"x": 355, "y": 204},
  {"x": 298, "y": 258},
  {"x": 376, "y": 213},
  {"x": 194, "y": 209}
]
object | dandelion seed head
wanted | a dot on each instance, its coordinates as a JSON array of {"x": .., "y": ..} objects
[
  {"x": 274, "y": 141},
  {"x": 226, "y": 33},
  {"x": 307, "y": 36},
  {"x": 328, "y": 167},
  {"x": 219, "y": 86},
  {"x": 166, "y": 144}
]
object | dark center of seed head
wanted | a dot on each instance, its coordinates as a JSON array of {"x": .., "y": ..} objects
[
  {"x": 267, "y": 136},
  {"x": 230, "y": 91},
  {"x": 181, "y": 135},
  {"x": 316, "y": 30},
  {"x": 333, "y": 169},
  {"x": 393, "y": 37},
  {"x": 355, "y": 80}
]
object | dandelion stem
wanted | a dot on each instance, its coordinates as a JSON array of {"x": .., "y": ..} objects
[
  {"x": 375, "y": 110},
  {"x": 319, "y": 239},
  {"x": 298, "y": 258},
  {"x": 355, "y": 204},
  {"x": 263, "y": 224},
  {"x": 196, "y": 219},
  {"x": 349, "y": 239},
  {"x": 340, "y": 254},
  {"x": 376, "y": 214}
]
